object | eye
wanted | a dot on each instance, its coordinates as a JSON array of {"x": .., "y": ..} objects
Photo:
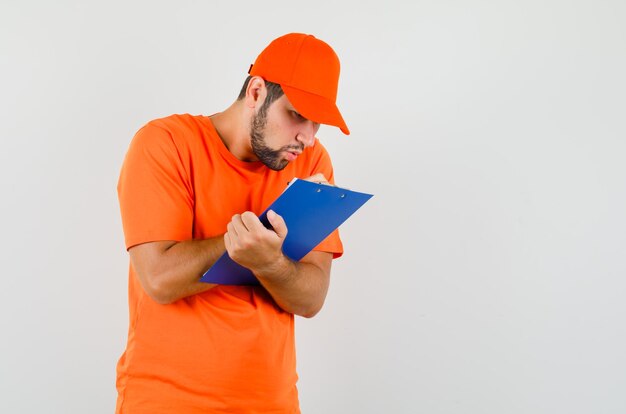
[{"x": 296, "y": 115}]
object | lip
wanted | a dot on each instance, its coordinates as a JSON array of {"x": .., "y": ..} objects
[{"x": 292, "y": 155}]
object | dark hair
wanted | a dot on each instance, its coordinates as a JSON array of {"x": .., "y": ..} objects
[{"x": 274, "y": 91}]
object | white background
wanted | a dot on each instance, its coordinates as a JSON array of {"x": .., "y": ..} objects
[{"x": 485, "y": 276}]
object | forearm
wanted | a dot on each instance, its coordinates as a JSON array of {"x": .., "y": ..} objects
[
  {"x": 297, "y": 287},
  {"x": 169, "y": 271}
]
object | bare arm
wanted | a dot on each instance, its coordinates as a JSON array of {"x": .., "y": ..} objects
[
  {"x": 170, "y": 270},
  {"x": 297, "y": 287}
]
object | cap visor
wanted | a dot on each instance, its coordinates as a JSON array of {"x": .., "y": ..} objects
[{"x": 316, "y": 108}]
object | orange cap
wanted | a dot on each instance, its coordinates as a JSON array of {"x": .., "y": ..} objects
[{"x": 307, "y": 69}]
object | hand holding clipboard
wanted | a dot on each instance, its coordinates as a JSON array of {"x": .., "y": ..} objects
[{"x": 311, "y": 212}]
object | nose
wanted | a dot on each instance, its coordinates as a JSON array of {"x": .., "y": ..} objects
[{"x": 306, "y": 134}]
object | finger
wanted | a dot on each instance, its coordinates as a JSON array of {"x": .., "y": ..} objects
[
  {"x": 238, "y": 225},
  {"x": 227, "y": 242},
  {"x": 318, "y": 178},
  {"x": 230, "y": 227},
  {"x": 252, "y": 222},
  {"x": 278, "y": 223}
]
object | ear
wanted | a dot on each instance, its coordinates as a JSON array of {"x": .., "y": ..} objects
[{"x": 255, "y": 93}]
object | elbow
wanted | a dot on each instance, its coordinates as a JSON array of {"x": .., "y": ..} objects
[
  {"x": 310, "y": 308},
  {"x": 160, "y": 296},
  {"x": 310, "y": 311},
  {"x": 154, "y": 271},
  {"x": 309, "y": 315},
  {"x": 157, "y": 290},
  {"x": 161, "y": 299}
]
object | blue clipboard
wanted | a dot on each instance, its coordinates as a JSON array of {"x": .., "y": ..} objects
[{"x": 311, "y": 212}]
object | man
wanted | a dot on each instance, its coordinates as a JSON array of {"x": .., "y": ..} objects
[{"x": 190, "y": 189}]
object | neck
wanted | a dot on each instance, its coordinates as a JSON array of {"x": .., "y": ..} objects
[{"x": 233, "y": 127}]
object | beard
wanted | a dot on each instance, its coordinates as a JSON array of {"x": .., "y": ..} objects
[{"x": 270, "y": 157}]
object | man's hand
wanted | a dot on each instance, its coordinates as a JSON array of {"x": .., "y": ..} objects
[
  {"x": 318, "y": 178},
  {"x": 297, "y": 287},
  {"x": 251, "y": 245}
]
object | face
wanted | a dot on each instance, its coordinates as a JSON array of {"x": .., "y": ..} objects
[{"x": 279, "y": 134}]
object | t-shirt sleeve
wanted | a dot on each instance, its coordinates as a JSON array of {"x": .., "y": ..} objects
[
  {"x": 154, "y": 190},
  {"x": 332, "y": 243}
]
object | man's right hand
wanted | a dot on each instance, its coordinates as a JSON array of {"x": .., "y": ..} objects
[{"x": 318, "y": 178}]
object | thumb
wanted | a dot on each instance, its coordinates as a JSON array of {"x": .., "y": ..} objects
[{"x": 277, "y": 222}]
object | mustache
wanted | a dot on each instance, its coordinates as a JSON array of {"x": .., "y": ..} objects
[{"x": 298, "y": 148}]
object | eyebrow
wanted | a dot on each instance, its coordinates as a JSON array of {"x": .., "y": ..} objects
[{"x": 290, "y": 107}]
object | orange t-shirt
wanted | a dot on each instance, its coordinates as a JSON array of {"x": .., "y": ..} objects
[{"x": 227, "y": 350}]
